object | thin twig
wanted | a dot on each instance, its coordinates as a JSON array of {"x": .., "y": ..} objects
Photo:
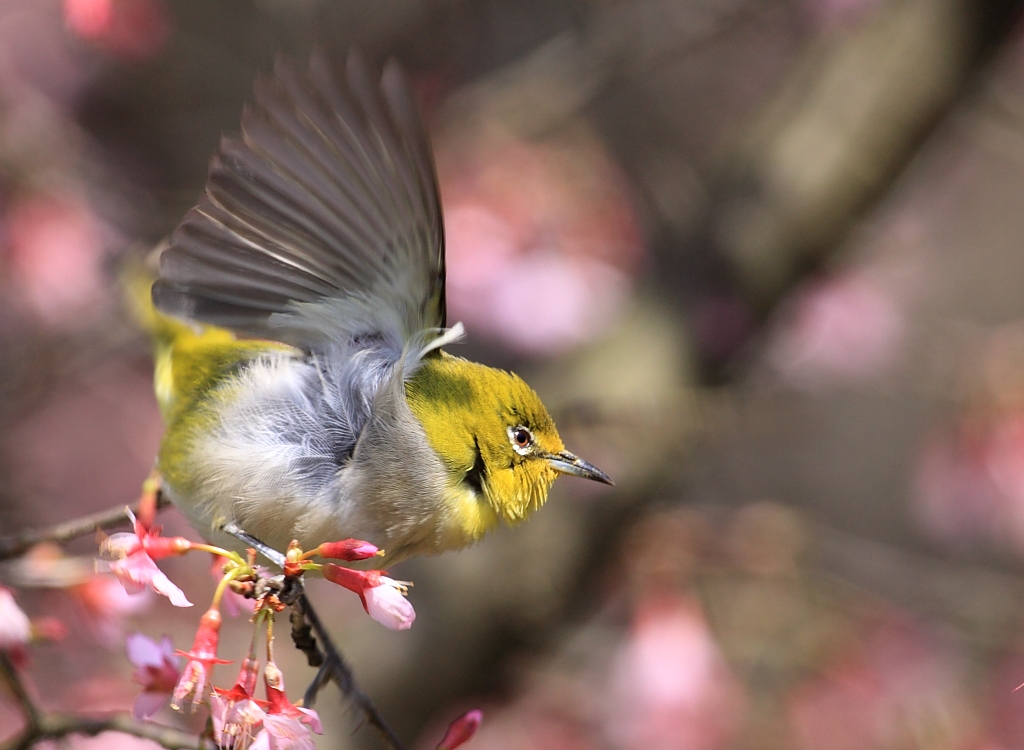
[
  {"x": 56, "y": 726},
  {"x": 41, "y": 726},
  {"x": 22, "y": 542},
  {"x": 341, "y": 674}
]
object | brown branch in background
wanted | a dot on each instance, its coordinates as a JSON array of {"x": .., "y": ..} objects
[
  {"x": 40, "y": 725},
  {"x": 20, "y": 543},
  {"x": 334, "y": 668},
  {"x": 849, "y": 117}
]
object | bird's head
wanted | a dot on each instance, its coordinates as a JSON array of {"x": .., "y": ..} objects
[{"x": 493, "y": 433}]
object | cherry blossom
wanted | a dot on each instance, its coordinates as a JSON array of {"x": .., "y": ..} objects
[
  {"x": 15, "y": 627},
  {"x": 383, "y": 598},
  {"x": 138, "y": 572},
  {"x": 157, "y": 670},
  {"x": 202, "y": 658},
  {"x": 237, "y": 717}
]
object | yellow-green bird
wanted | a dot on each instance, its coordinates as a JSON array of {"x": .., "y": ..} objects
[{"x": 307, "y": 396}]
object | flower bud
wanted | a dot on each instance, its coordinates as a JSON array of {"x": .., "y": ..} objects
[
  {"x": 383, "y": 598},
  {"x": 461, "y": 730},
  {"x": 348, "y": 549}
]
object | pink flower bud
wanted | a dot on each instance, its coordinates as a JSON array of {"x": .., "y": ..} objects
[
  {"x": 461, "y": 730},
  {"x": 347, "y": 549},
  {"x": 383, "y": 598}
]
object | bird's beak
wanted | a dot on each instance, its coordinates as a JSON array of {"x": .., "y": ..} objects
[{"x": 568, "y": 463}]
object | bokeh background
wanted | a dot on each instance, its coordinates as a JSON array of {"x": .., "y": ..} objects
[{"x": 764, "y": 260}]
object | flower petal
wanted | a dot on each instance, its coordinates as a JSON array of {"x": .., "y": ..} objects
[
  {"x": 15, "y": 628},
  {"x": 386, "y": 604},
  {"x": 161, "y": 584},
  {"x": 147, "y": 704},
  {"x": 286, "y": 733},
  {"x": 143, "y": 651}
]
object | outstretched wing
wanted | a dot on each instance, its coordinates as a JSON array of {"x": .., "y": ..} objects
[{"x": 321, "y": 222}]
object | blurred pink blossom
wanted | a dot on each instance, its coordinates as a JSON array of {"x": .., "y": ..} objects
[
  {"x": 131, "y": 29},
  {"x": 157, "y": 670},
  {"x": 955, "y": 500},
  {"x": 541, "y": 239},
  {"x": 970, "y": 483},
  {"x": 55, "y": 254},
  {"x": 670, "y": 686},
  {"x": 15, "y": 627},
  {"x": 842, "y": 329},
  {"x": 896, "y": 677},
  {"x": 107, "y": 604}
]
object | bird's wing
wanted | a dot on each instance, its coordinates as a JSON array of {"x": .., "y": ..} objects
[{"x": 321, "y": 222}]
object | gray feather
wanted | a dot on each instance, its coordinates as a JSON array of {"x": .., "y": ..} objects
[{"x": 321, "y": 222}]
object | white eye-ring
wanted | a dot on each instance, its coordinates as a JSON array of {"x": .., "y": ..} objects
[{"x": 521, "y": 439}]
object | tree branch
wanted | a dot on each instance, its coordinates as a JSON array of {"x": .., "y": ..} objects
[
  {"x": 336, "y": 669},
  {"x": 20, "y": 543},
  {"x": 46, "y": 726}
]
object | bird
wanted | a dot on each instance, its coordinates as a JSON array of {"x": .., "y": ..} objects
[{"x": 299, "y": 321}]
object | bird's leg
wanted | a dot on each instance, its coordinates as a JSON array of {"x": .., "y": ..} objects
[{"x": 268, "y": 552}]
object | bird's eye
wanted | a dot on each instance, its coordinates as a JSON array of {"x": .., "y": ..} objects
[{"x": 522, "y": 439}]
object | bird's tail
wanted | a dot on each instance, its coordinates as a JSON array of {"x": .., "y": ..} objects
[
  {"x": 188, "y": 357},
  {"x": 175, "y": 342},
  {"x": 137, "y": 279}
]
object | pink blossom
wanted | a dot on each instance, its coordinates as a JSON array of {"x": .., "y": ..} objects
[
  {"x": 237, "y": 717},
  {"x": 15, "y": 627},
  {"x": 157, "y": 670},
  {"x": 202, "y": 657},
  {"x": 284, "y": 733},
  {"x": 133, "y": 29},
  {"x": 145, "y": 538},
  {"x": 843, "y": 329},
  {"x": 107, "y": 604},
  {"x": 541, "y": 238},
  {"x": 56, "y": 255},
  {"x": 383, "y": 598},
  {"x": 280, "y": 706},
  {"x": 461, "y": 730},
  {"x": 670, "y": 685},
  {"x": 138, "y": 572},
  {"x": 893, "y": 677}
]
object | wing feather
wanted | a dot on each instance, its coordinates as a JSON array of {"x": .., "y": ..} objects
[{"x": 321, "y": 221}]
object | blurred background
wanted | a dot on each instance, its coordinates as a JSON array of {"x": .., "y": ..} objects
[{"x": 763, "y": 258}]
